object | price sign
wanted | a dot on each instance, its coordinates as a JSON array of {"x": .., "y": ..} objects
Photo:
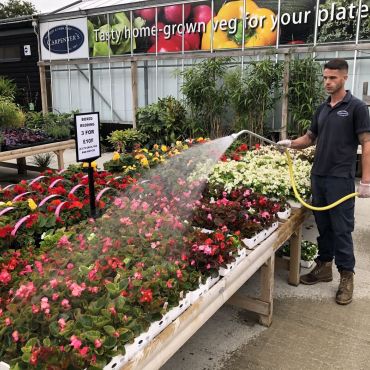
[{"x": 87, "y": 137}]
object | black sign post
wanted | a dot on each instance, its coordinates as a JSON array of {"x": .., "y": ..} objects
[{"x": 88, "y": 148}]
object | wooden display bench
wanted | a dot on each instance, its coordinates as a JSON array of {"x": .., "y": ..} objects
[
  {"x": 20, "y": 154},
  {"x": 165, "y": 345}
]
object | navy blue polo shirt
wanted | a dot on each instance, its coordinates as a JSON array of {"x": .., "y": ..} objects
[{"x": 336, "y": 130}]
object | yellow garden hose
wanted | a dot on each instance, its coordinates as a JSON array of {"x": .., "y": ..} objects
[{"x": 309, "y": 206}]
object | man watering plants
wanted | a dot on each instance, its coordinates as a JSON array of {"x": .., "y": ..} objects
[{"x": 338, "y": 126}]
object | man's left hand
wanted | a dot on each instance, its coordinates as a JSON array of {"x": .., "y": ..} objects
[{"x": 363, "y": 190}]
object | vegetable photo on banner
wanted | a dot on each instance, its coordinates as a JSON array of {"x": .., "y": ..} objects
[{"x": 228, "y": 26}]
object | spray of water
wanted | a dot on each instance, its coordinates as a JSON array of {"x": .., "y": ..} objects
[{"x": 134, "y": 252}]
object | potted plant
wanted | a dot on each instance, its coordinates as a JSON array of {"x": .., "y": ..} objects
[
  {"x": 125, "y": 140},
  {"x": 309, "y": 252}
]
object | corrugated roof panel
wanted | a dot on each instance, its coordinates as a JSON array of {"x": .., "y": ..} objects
[{"x": 94, "y": 4}]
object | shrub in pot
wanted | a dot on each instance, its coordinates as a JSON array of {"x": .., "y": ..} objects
[
  {"x": 125, "y": 140},
  {"x": 10, "y": 114}
]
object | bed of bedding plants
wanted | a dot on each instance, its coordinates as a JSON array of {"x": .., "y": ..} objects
[{"x": 73, "y": 294}]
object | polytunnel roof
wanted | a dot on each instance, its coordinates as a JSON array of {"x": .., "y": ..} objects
[{"x": 86, "y": 7}]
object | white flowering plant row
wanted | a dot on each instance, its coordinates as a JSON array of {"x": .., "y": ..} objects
[{"x": 264, "y": 171}]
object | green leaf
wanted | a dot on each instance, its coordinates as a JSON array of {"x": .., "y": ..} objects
[
  {"x": 110, "y": 330},
  {"x": 110, "y": 342},
  {"x": 26, "y": 357},
  {"x": 46, "y": 342},
  {"x": 86, "y": 321},
  {"x": 91, "y": 335}
]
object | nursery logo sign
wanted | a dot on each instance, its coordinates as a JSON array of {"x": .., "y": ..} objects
[{"x": 63, "y": 39}]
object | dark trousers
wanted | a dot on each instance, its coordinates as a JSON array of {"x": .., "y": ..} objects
[{"x": 335, "y": 225}]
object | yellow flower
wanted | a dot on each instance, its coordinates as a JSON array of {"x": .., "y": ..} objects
[
  {"x": 164, "y": 148},
  {"x": 150, "y": 154},
  {"x": 9, "y": 204},
  {"x": 155, "y": 146},
  {"x": 178, "y": 143},
  {"x": 156, "y": 154},
  {"x": 145, "y": 150},
  {"x": 116, "y": 156},
  {"x": 86, "y": 164},
  {"x": 31, "y": 204},
  {"x": 2, "y": 203},
  {"x": 200, "y": 139},
  {"x": 155, "y": 159},
  {"x": 185, "y": 147},
  {"x": 144, "y": 162},
  {"x": 139, "y": 156}
]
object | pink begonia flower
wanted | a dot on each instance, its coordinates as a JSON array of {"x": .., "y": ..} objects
[
  {"x": 55, "y": 297},
  {"x": 76, "y": 289},
  {"x": 8, "y": 321},
  {"x": 62, "y": 323},
  {"x": 15, "y": 336},
  {"x": 1, "y": 312},
  {"x": 39, "y": 267},
  {"x": 5, "y": 277},
  {"x": 192, "y": 263},
  {"x": 125, "y": 221},
  {"x": 26, "y": 291},
  {"x": 207, "y": 250},
  {"x": 75, "y": 342},
  {"x": 65, "y": 304},
  {"x": 112, "y": 310},
  {"x": 145, "y": 206},
  {"x": 92, "y": 274},
  {"x": 208, "y": 266},
  {"x": 148, "y": 235},
  {"x": 35, "y": 309},
  {"x": 134, "y": 205},
  {"x": 97, "y": 343},
  {"x": 70, "y": 266},
  {"x": 54, "y": 283},
  {"x": 27, "y": 270},
  {"x": 84, "y": 351},
  {"x": 187, "y": 194},
  {"x": 169, "y": 284},
  {"x": 93, "y": 289},
  {"x": 107, "y": 245},
  {"x": 265, "y": 214},
  {"x": 209, "y": 217},
  {"x": 179, "y": 274},
  {"x": 118, "y": 202},
  {"x": 138, "y": 276},
  {"x": 45, "y": 306}
]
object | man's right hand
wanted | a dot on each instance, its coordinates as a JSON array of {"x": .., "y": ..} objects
[{"x": 284, "y": 144}]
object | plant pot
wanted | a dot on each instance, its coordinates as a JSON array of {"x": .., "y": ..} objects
[
  {"x": 157, "y": 326},
  {"x": 175, "y": 312},
  {"x": 307, "y": 264},
  {"x": 211, "y": 281},
  {"x": 272, "y": 228},
  {"x": 294, "y": 203},
  {"x": 198, "y": 293},
  {"x": 251, "y": 243},
  {"x": 223, "y": 271},
  {"x": 284, "y": 215}
]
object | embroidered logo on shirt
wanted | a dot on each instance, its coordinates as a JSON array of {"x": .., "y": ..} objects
[{"x": 342, "y": 113}]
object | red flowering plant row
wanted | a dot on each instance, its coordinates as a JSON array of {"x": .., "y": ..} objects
[
  {"x": 97, "y": 287},
  {"x": 242, "y": 211},
  {"x": 237, "y": 150},
  {"x": 53, "y": 200}
]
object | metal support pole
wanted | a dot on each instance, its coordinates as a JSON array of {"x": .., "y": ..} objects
[{"x": 92, "y": 191}]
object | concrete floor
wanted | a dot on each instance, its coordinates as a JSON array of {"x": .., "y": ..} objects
[{"x": 309, "y": 330}]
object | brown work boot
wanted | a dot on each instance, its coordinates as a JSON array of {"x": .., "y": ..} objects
[
  {"x": 321, "y": 273},
  {"x": 345, "y": 290}
]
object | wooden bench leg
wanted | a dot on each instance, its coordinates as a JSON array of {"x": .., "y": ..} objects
[
  {"x": 262, "y": 305},
  {"x": 267, "y": 289},
  {"x": 22, "y": 166},
  {"x": 295, "y": 257},
  {"x": 59, "y": 154}
]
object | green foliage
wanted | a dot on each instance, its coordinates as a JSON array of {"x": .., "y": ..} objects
[
  {"x": 55, "y": 125},
  {"x": 10, "y": 114},
  {"x": 309, "y": 250},
  {"x": 8, "y": 88},
  {"x": 162, "y": 122},
  {"x": 43, "y": 160},
  {"x": 125, "y": 139},
  {"x": 16, "y": 8},
  {"x": 306, "y": 92},
  {"x": 206, "y": 96},
  {"x": 254, "y": 93}
]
